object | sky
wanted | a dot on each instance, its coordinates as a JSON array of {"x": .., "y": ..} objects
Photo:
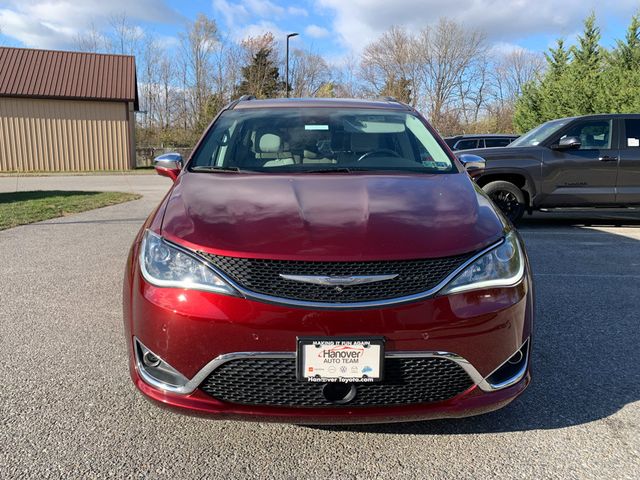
[{"x": 333, "y": 28}]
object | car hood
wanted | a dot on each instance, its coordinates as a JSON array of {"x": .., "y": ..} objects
[{"x": 330, "y": 216}]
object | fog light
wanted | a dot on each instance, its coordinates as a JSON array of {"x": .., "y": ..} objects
[
  {"x": 150, "y": 360},
  {"x": 157, "y": 372}
]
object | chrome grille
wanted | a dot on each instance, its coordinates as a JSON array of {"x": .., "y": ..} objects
[{"x": 263, "y": 276}]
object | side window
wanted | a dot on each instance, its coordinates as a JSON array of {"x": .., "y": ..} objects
[
  {"x": 466, "y": 144},
  {"x": 496, "y": 142},
  {"x": 593, "y": 135},
  {"x": 632, "y": 136}
]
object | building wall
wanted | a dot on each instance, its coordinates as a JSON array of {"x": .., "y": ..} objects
[{"x": 64, "y": 135}]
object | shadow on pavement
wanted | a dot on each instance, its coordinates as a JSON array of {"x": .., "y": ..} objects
[{"x": 586, "y": 350}]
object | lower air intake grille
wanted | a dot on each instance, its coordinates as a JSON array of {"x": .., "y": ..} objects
[
  {"x": 263, "y": 276},
  {"x": 272, "y": 382}
]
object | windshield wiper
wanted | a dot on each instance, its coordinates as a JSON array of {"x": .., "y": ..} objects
[
  {"x": 329, "y": 170},
  {"x": 214, "y": 168}
]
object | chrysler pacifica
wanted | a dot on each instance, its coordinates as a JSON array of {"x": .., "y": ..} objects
[{"x": 326, "y": 261}]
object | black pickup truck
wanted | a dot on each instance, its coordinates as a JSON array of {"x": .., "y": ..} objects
[{"x": 589, "y": 161}]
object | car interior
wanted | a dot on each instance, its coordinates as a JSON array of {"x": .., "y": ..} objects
[
  {"x": 592, "y": 135},
  {"x": 265, "y": 147},
  {"x": 295, "y": 144}
]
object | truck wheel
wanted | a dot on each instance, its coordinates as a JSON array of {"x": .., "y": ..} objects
[{"x": 508, "y": 198}]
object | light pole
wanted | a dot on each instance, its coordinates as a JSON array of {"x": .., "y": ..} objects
[{"x": 286, "y": 67}]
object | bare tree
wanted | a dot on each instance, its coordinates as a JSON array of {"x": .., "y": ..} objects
[
  {"x": 92, "y": 41},
  {"x": 513, "y": 70},
  {"x": 475, "y": 90},
  {"x": 226, "y": 71},
  {"x": 125, "y": 37},
  {"x": 198, "y": 45},
  {"x": 446, "y": 54},
  {"x": 149, "y": 79},
  {"x": 309, "y": 72},
  {"x": 389, "y": 65}
]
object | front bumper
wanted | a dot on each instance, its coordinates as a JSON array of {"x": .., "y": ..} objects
[
  {"x": 199, "y": 404},
  {"x": 191, "y": 329}
]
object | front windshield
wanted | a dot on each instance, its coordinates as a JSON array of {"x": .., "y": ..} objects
[
  {"x": 320, "y": 139},
  {"x": 539, "y": 134}
]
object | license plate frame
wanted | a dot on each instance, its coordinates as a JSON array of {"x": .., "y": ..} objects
[{"x": 369, "y": 365}]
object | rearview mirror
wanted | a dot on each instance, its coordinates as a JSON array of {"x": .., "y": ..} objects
[
  {"x": 168, "y": 165},
  {"x": 568, "y": 143},
  {"x": 472, "y": 163}
]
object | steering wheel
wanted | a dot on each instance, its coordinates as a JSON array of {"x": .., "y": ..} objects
[{"x": 378, "y": 152}]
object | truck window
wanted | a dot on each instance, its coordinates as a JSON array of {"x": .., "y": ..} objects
[
  {"x": 632, "y": 129},
  {"x": 593, "y": 135},
  {"x": 497, "y": 142},
  {"x": 466, "y": 144}
]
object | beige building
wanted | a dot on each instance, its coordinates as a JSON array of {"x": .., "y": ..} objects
[{"x": 66, "y": 111}]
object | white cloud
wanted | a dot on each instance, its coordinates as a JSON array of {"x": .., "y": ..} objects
[
  {"x": 259, "y": 28},
  {"x": 505, "y": 48},
  {"x": 297, "y": 11},
  {"x": 167, "y": 42},
  {"x": 238, "y": 13},
  {"x": 252, "y": 18},
  {"x": 57, "y": 23},
  {"x": 357, "y": 22},
  {"x": 264, "y": 8},
  {"x": 315, "y": 31},
  {"x": 230, "y": 11}
]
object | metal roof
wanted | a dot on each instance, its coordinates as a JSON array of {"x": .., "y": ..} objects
[{"x": 34, "y": 73}]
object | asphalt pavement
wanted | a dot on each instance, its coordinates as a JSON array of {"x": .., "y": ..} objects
[{"x": 68, "y": 408}]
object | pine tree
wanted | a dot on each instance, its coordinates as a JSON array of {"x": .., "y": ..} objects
[
  {"x": 547, "y": 98},
  {"x": 575, "y": 82},
  {"x": 261, "y": 76},
  {"x": 627, "y": 52},
  {"x": 623, "y": 74},
  {"x": 557, "y": 58},
  {"x": 585, "y": 73},
  {"x": 556, "y": 89},
  {"x": 527, "y": 112}
]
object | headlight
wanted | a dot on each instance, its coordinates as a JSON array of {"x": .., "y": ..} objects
[
  {"x": 164, "y": 265},
  {"x": 501, "y": 267}
]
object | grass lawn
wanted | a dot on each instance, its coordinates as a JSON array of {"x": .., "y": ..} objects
[
  {"x": 138, "y": 171},
  {"x": 20, "y": 208}
]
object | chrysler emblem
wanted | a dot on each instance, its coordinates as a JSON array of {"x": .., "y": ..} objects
[{"x": 338, "y": 282}]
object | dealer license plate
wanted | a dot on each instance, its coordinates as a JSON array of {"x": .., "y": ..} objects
[{"x": 340, "y": 359}]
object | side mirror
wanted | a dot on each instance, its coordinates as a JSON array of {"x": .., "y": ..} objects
[
  {"x": 568, "y": 143},
  {"x": 168, "y": 165},
  {"x": 473, "y": 164}
]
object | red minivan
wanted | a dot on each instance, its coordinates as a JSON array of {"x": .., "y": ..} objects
[{"x": 326, "y": 261}]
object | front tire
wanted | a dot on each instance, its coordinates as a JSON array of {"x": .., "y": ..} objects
[{"x": 509, "y": 198}]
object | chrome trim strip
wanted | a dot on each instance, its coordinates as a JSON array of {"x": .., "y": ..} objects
[
  {"x": 340, "y": 306},
  {"x": 487, "y": 386},
  {"x": 338, "y": 281},
  {"x": 205, "y": 371},
  {"x": 148, "y": 378}
]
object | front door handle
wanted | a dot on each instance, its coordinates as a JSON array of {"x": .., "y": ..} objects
[{"x": 607, "y": 158}]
